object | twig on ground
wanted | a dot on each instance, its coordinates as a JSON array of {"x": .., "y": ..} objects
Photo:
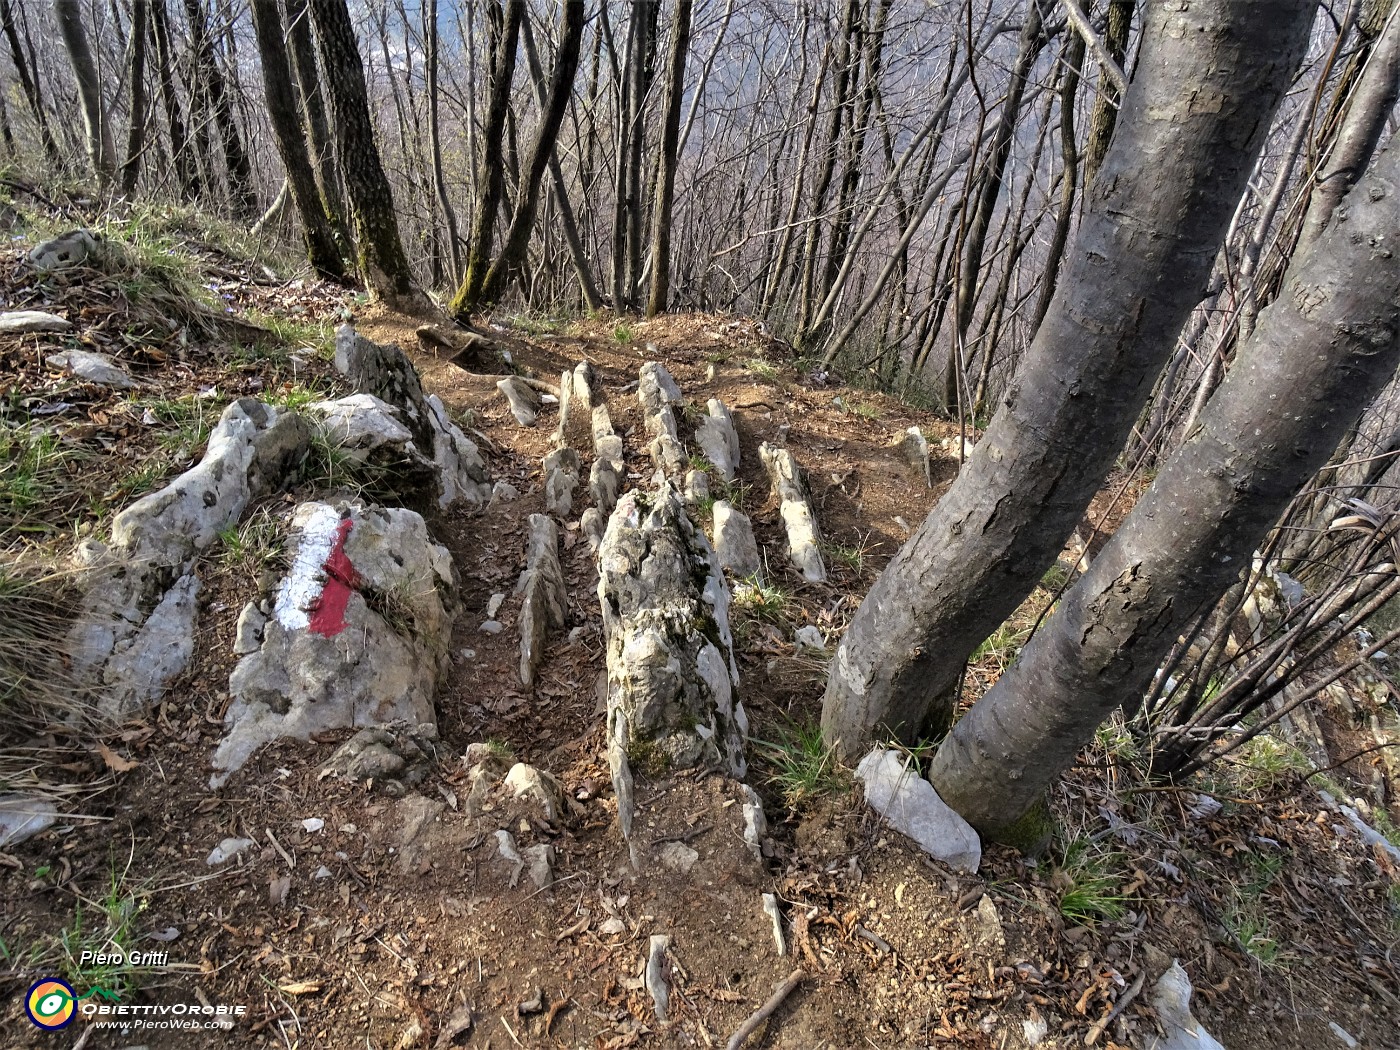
[{"x": 765, "y": 1011}]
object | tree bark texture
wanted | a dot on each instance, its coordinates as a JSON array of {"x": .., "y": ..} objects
[
  {"x": 666, "y": 180},
  {"x": 186, "y": 170},
  {"x": 281, "y": 95},
  {"x": 98, "y": 132},
  {"x": 318, "y": 129},
  {"x": 1320, "y": 353},
  {"x": 27, "y": 83},
  {"x": 1210, "y": 78},
  {"x": 491, "y": 174},
  {"x": 380, "y": 253},
  {"x": 243, "y": 197}
]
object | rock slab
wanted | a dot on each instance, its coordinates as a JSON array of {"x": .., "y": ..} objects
[{"x": 910, "y": 805}]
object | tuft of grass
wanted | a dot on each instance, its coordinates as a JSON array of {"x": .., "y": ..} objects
[
  {"x": 1003, "y": 646},
  {"x": 538, "y": 324},
  {"x": 185, "y": 422},
  {"x": 1246, "y": 917},
  {"x": 254, "y": 545},
  {"x": 762, "y": 601},
  {"x": 107, "y": 927},
  {"x": 852, "y": 557},
  {"x": 40, "y": 479},
  {"x": 1265, "y": 763},
  {"x": 1088, "y": 882},
  {"x": 623, "y": 334},
  {"x": 288, "y": 336},
  {"x": 762, "y": 368},
  {"x": 802, "y": 766},
  {"x": 1055, "y": 578}
]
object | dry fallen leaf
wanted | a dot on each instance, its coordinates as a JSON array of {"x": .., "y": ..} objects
[
  {"x": 300, "y": 987},
  {"x": 114, "y": 761}
]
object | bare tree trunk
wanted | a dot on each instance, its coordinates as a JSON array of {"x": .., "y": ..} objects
[
  {"x": 491, "y": 171},
  {"x": 101, "y": 153},
  {"x": 281, "y": 96},
  {"x": 1069, "y": 153},
  {"x": 303, "y": 54},
  {"x": 522, "y": 223},
  {"x": 1371, "y": 105},
  {"x": 1028, "y": 50},
  {"x": 643, "y": 56},
  {"x": 1142, "y": 254},
  {"x": 449, "y": 215},
  {"x": 136, "y": 130},
  {"x": 1325, "y": 348},
  {"x": 28, "y": 84},
  {"x": 380, "y": 253},
  {"x": 186, "y": 170},
  {"x": 1105, "y": 115},
  {"x": 666, "y": 182},
  {"x": 242, "y": 194}
]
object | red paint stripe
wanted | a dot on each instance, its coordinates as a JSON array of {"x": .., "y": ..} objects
[{"x": 328, "y": 614}]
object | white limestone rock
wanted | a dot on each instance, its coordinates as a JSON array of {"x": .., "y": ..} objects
[
  {"x": 524, "y": 401},
  {"x": 24, "y": 816},
  {"x": 74, "y": 248},
  {"x": 804, "y": 539},
  {"x": 542, "y": 583},
  {"x": 92, "y": 368},
  {"x": 910, "y": 805},
  {"x": 734, "y": 541},
  {"x": 1171, "y": 998},
  {"x": 27, "y": 322},
  {"x": 358, "y": 636}
]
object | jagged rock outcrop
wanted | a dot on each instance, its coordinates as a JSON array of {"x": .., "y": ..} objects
[
  {"x": 718, "y": 439},
  {"x": 656, "y": 393},
  {"x": 542, "y": 584},
  {"x": 735, "y": 545},
  {"x": 387, "y": 374},
  {"x": 136, "y": 633},
  {"x": 390, "y": 758},
  {"x": 804, "y": 540},
  {"x": 561, "y": 471},
  {"x": 671, "y": 692},
  {"x": 358, "y": 634}
]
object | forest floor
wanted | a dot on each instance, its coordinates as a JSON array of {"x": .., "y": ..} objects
[{"x": 359, "y": 934}]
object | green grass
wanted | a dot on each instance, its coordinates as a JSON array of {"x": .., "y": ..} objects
[
  {"x": 185, "y": 422},
  {"x": 1265, "y": 763},
  {"x": 290, "y": 335},
  {"x": 40, "y": 479},
  {"x": 623, "y": 334},
  {"x": 253, "y": 545},
  {"x": 1089, "y": 878},
  {"x": 1055, "y": 578},
  {"x": 763, "y": 369},
  {"x": 801, "y": 766},
  {"x": 762, "y": 601},
  {"x": 852, "y": 557},
  {"x": 538, "y": 324},
  {"x": 1003, "y": 646}
]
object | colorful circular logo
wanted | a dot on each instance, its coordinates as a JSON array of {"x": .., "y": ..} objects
[{"x": 51, "y": 1003}]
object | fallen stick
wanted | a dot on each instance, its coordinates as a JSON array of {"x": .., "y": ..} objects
[{"x": 765, "y": 1011}]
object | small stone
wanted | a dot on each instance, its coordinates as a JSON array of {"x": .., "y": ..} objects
[
  {"x": 576, "y": 635},
  {"x": 735, "y": 545},
  {"x": 494, "y": 605},
  {"x": 323, "y": 872},
  {"x": 92, "y": 368},
  {"x": 248, "y": 634},
  {"x": 311, "y": 825},
  {"x": 67, "y": 249},
  {"x": 524, "y": 401},
  {"x": 527, "y": 782},
  {"x": 25, "y": 322},
  {"x": 503, "y": 492},
  {"x": 1171, "y": 998},
  {"x": 678, "y": 857},
  {"x": 492, "y": 627},
  {"x": 810, "y": 637},
  {"x": 770, "y": 907},
  {"x": 22, "y": 817},
  {"x": 226, "y": 850},
  {"x": 468, "y": 654},
  {"x": 910, "y": 805}
]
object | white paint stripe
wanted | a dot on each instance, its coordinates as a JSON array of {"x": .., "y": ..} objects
[{"x": 316, "y": 525}]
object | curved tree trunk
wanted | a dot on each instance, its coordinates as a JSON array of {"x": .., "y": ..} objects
[
  {"x": 1321, "y": 352},
  {"x": 186, "y": 170},
  {"x": 1105, "y": 115},
  {"x": 281, "y": 95},
  {"x": 101, "y": 153},
  {"x": 1069, "y": 152},
  {"x": 380, "y": 253},
  {"x": 1209, "y": 79},
  {"x": 27, "y": 83},
  {"x": 666, "y": 182}
]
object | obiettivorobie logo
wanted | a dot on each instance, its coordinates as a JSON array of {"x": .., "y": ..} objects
[{"x": 51, "y": 1003}]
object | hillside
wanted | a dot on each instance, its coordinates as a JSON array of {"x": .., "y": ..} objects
[{"x": 380, "y": 906}]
